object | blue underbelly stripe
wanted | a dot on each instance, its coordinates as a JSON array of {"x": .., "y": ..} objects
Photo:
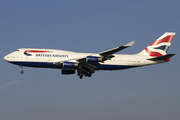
[
  {"x": 114, "y": 67},
  {"x": 37, "y": 64},
  {"x": 51, "y": 65}
]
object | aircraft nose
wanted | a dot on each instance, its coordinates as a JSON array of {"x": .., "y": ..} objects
[{"x": 6, "y": 58}]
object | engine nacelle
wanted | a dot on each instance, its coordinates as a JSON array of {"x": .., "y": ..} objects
[
  {"x": 67, "y": 72},
  {"x": 70, "y": 65},
  {"x": 92, "y": 59}
]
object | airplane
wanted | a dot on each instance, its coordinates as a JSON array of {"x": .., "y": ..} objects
[{"x": 87, "y": 63}]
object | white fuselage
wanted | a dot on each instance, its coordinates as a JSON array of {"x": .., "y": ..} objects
[{"x": 23, "y": 57}]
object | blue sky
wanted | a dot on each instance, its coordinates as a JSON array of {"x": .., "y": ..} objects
[{"x": 150, "y": 92}]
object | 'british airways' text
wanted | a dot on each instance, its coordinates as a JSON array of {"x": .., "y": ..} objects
[{"x": 51, "y": 55}]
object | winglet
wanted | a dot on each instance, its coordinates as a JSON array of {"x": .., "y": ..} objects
[{"x": 130, "y": 44}]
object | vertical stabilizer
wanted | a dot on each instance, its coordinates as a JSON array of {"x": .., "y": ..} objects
[{"x": 160, "y": 46}]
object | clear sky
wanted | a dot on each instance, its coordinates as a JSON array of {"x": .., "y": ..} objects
[{"x": 146, "y": 93}]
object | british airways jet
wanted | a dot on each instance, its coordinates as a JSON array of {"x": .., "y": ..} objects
[{"x": 87, "y": 63}]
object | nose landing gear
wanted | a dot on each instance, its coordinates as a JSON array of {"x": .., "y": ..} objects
[{"x": 21, "y": 71}]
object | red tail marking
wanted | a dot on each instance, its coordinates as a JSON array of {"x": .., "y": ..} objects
[
  {"x": 153, "y": 54},
  {"x": 172, "y": 38},
  {"x": 168, "y": 39}
]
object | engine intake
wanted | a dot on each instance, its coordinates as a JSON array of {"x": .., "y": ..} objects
[{"x": 92, "y": 59}]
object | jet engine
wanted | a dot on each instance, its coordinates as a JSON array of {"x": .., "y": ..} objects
[
  {"x": 67, "y": 72},
  {"x": 92, "y": 59},
  {"x": 70, "y": 65}
]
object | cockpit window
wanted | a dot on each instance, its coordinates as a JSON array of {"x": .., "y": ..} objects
[{"x": 16, "y": 50}]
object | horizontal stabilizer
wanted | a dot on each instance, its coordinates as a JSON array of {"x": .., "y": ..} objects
[{"x": 164, "y": 57}]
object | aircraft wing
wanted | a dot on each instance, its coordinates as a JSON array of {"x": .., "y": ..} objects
[
  {"x": 117, "y": 49},
  {"x": 107, "y": 54},
  {"x": 91, "y": 62}
]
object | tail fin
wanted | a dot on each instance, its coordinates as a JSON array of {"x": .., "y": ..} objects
[{"x": 160, "y": 46}]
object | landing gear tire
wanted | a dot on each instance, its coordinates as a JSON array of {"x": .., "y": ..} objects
[
  {"x": 86, "y": 74},
  {"x": 21, "y": 71},
  {"x": 90, "y": 74},
  {"x": 80, "y": 77},
  {"x": 80, "y": 74}
]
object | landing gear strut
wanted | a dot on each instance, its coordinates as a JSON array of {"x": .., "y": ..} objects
[{"x": 21, "y": 71}]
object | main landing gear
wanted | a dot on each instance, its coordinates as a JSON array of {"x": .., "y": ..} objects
[
  {"x": 21, "y": 71},
  {"x": 84, "y": 73}
]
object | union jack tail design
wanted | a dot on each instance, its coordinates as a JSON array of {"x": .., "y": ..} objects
[{"x": 160, "y": 46}]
